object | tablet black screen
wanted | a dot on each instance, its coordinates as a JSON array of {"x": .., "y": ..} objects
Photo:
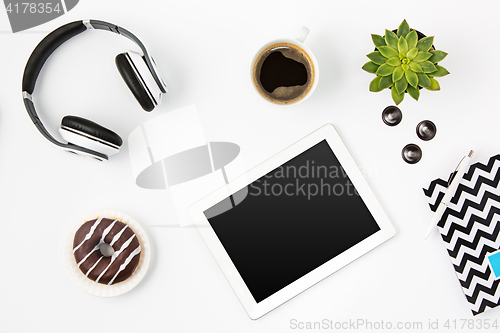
[{"x": 291, "y": 221}]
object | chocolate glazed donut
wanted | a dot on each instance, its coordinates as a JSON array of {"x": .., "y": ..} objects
[{"x": 106, "y": 269}]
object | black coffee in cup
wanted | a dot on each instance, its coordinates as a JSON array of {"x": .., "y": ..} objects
[{"x": 283, "y": 73}]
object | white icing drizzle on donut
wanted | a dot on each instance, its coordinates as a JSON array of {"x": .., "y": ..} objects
[
  {"x": 125, "y": 264},
  {"x": 101, "y": 241},
  {"x": 118, "y": 235},
  {"x": 92, "y": 268},
  {"x": 91, "y": 232},
  {"x": 115, "y": 255}
]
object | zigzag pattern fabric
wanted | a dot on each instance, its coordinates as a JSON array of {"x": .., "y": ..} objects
[{"x": 470, "y": 229}]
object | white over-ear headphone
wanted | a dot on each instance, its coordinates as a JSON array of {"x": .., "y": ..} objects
[{"x": 139, "y": 71}]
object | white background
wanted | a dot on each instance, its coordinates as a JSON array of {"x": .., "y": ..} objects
[{"x": 204, "y": 49}]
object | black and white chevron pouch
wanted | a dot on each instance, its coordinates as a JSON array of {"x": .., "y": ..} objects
[{"x": 470, "y": 229}]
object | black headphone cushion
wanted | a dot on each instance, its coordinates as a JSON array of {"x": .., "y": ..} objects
[
  {"x": 129, "y": 76},
  {"x": 89, "y": 127}
]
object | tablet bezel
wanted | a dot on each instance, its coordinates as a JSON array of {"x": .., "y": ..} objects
[{"x": 256, "y": 310}]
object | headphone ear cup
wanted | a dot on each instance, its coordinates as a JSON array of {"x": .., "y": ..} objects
[
  {"x": 85, "y": 133},
  {"x": 130, "y": 76}
]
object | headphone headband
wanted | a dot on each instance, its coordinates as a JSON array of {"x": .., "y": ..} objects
[
  {"x": 45, "y": 48},
  {"x": 62, "y": 34}
]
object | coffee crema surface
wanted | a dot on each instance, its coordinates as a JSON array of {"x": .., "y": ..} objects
[{"x": 283, "y": 73}]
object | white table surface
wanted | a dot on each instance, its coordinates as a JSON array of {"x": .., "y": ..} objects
[{"x": 204, "y": 49}]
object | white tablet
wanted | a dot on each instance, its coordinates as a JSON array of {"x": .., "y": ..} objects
[{"x": 291, "y": 221}]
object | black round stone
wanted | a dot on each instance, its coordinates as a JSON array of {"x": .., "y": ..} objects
[
  {"x": 426, "y": 130},
  {"x": 392, "y": 115},
  {"x": 411, "y": 153}
]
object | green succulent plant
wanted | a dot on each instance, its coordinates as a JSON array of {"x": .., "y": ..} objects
[{"x": 404, "y": 63}]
